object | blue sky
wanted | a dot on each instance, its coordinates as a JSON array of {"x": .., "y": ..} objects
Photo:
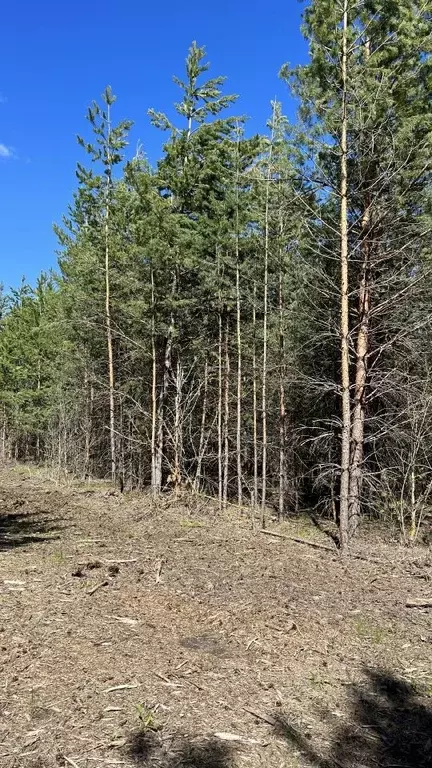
[{"x": 56, "y": 57}]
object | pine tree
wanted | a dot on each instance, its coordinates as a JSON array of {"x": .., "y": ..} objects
[
  {"x": 109, "y": 142},
  {"x": 361, "y": 166}
]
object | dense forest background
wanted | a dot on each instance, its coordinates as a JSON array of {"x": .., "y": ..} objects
[{"x": 251, "y": 318}]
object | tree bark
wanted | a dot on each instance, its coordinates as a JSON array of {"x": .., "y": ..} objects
[
  {"x": 239, "y": 381},
  {"x": 202, "y": 440},
  {"x": 219, "y": 411},
  {"x": 362, "y": 349},
  {"x": 239, "y": 338},
  {"x": 163, "y": 398},
  {"x": 109, "y": 335},
  {"x": 358, "y": 412},
  {"x": 282, "y": 408},
  {"x": 265, "y": 323},
  {"x": 156, "y": 474},
  {"x": 254, "y": 402},
  {"x": 344, "y": 303},
  {"x": 226, "y": 414},
  {"x": 178, "y": 426}
]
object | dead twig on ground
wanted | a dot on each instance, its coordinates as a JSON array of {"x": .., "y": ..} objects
[
  {"x": 124, "y": 687},
  {"x": 424, "y": 602},
  {"x": 71, "y": 762},
  {"x": 159, "y": 565},
  {"x": 265, "y": 718},
  {"x": 314, "y": 544},
  {"x": 98, "y": 586}
]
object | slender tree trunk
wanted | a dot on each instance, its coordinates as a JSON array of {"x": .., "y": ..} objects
[
  {"x": 202, "y": 440},
  {"x": 358, "y": 414},
  {"x": 108, "y": 323},
  {"x": 219, "y": 407},
  {"x": 362, "y": 349},
  {"x": 160, "y": 442},
  {"x": 265, "y": 334},
  {"x": 3, "y": 435},
  {"x": 226, "y": 414},
  {"x": 239, "y": 383},
  {"x": 219, "y": 413},
  {"x": 254, "y": 401},
  {"x": 413, "y": 525},
  {"x": 239, "y": 337},
  {"x": 178, "y": 426},
  {"x": 156, "y": 471},
  {"x": 121, "y": 446},
  {"x": 344, "y": 305},
  {"x": 282, "y": 409},
  {"x": 38, "y": 432},
  {"x": 89, "y": 390},
  {"x": 130, "y": 476}
]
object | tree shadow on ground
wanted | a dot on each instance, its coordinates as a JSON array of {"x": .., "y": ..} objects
[
  {"x": 146, "y": 748},
  {"x": 390, "y": 727},
  {"x": 19, "y": 529}
]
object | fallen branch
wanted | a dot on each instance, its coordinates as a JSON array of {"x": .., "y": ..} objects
[
  {"x": 236, "y": 737},
  {"x": 70, "y": 761},
  {"x": 159, "y": 565},
  {"x": 167, "y": 682},
  {"x": 265, "y": 718},
  {"x": 314, "y": 544},
  {"x": 195, "y": 685},
  {"x": 98, "y": 586},
  {"x": 123, "y": 687},
  {"x": 419, "y": 603}
]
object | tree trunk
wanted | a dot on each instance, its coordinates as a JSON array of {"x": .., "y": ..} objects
[
  {"x": 108, "y": 324},
  {"x": 178, "y": 427},
  {"x": 202, "y": 440},
  {"x": 239, "y": 338},
  {"x": 358, "y": 413},
  {"x": 156, "y": 471},
  {"x": 239, "y": 385},
  {"x": 89, "y": 390},
  {"x": 254, "y": 402},
  {"x": 161, "y": 408},
  {"x": 265, "y": 322},
  {"x": 219, "y": 413},
  {"x": 282, "y": 409},
  {"x": 362, "y": 349},
  {"x": 226, "y": 414},
  {"x": 38, "y": 431},
  {"x": 160, "y": 442},
  {"x": 344, "y": 304},
  {"x": 3, "y": 435}
]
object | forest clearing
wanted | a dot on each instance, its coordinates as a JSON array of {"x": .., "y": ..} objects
[
  {"x": 171, "y": 635},
  {"x": 216, "y": 406}
]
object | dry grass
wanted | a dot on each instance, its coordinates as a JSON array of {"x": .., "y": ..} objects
[{"x": 207, "y": 623}]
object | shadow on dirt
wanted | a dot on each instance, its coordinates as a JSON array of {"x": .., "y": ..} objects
[
  {"x": 19, "y": 528},
  {"x": 391, "y": 726},
  {"x": 149, "y": 749}
]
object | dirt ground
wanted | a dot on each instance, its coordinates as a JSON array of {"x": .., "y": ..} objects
[{"x": 170, "y": 636}]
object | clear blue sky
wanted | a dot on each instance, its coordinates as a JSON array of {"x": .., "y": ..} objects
[{"x": 56, "y": 57}]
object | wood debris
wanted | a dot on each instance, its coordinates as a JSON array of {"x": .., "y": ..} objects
[
  {"x": 421, "y": 602},
  {"x": 123, "y": 687},
  {"x": 98, "y": 586}
]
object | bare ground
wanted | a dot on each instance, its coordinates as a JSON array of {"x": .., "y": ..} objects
[{"x": 215, "y": 646}]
